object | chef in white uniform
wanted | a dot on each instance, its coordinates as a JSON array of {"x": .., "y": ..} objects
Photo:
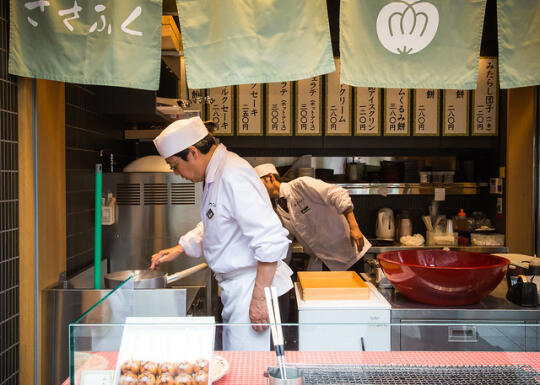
[
  {"x": 321, "y": 218},
  {"x": 240, "y": 235}
]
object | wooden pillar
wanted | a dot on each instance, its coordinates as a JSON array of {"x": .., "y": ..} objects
[
  {"x": 51, "y": 210},
  {"x": 26, "y": 233},
  {"x": 520, "y": 214}
]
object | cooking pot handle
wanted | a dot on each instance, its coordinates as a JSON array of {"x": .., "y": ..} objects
[{"x": 184, "y": 273}]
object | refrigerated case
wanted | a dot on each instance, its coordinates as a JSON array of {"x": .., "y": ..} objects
[{"x": 363, "y": 324}]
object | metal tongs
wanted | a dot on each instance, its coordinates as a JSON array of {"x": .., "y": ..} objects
[{"x": 275, "y": 326}]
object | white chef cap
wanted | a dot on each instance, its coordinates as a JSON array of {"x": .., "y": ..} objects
[
  {"x": 265, "y": 169},
  {"x": 179, "y": 135}
]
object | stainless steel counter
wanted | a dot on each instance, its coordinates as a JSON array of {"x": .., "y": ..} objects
[
  {"x": 492, "y": 324},
  {"x": 494, "y": 307},
  {"x": 297, "y": 248}
]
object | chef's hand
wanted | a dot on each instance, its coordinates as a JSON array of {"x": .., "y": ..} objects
[
  {"x": 258, "y": 313},
  {"x": 357, "y": 237},
  {"x": 165, "y": 255}
]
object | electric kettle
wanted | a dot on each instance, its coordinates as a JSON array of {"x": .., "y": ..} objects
[
  {"x": 403, "y": 225},
  {"x": 385, "y": 227}
]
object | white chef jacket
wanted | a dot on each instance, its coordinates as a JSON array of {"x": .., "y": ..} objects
[
  {"x": 238, "y": 229},
  {"x": 316, "y": 219}
]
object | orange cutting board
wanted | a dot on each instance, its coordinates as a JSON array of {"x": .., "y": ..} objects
[{"x": 332, "y": 285}]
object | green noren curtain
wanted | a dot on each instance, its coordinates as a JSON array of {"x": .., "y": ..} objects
[
  {"x": 518, "y": 22},
  {"x": 410, "y": 43},
  {"x": 88, "y": 42},
  {"x": 254, "y": 41}
]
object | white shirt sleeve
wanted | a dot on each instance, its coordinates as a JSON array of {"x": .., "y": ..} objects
[
  {"x": 192, "y": 241},
  {"x": 330, "y": 194},
  {"x": 251, "y": 208}
]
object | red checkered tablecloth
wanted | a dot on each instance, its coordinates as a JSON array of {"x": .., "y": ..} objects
[{"x": 247, "y": 368}]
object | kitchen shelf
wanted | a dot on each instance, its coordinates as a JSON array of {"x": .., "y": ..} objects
[
  {"x": 297, "y": 248},
  {"x": 385, "y": 189}
]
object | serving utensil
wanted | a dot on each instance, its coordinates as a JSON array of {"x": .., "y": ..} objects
[
  {"x": 427, "y": 222},
  {"x": 275, "y": 326}
]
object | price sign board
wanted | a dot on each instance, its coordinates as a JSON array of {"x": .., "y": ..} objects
[
  {"x": 249, "y": 110},
  {"x": 396, "y": 112},
  {"x": 338, "y": 105},
  {"x": 367, "y": 111},
  {"x": 221, "y": 110},
  {"x": 486, "y": 98},
  {"x": 308, "y": 106},
  {"x": 456, "y": 112},
  {"x": 279, "y": 99},
  {"x": 426, "y": 112}
]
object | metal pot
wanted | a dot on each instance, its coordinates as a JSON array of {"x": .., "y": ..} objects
[{"x": 149, "y": 279}]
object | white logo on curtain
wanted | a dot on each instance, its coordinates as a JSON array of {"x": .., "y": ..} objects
[{"x": 408, "y": 26}]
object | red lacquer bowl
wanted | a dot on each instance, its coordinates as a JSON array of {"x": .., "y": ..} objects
[{"x": 447, "y": 278}]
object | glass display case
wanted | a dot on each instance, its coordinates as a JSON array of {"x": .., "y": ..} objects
[{"x": 118, "y": 336}]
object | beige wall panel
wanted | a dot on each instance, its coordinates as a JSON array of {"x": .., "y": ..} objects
[{"x": 519, "y": 171}]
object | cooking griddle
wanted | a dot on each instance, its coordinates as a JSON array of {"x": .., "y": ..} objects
[{"x": 420, "y": 375}]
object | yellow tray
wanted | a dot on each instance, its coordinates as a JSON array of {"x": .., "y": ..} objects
[{"x": 332, "y": 285}]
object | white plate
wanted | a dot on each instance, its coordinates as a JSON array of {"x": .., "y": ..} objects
[{"x": 219, "y": 367}]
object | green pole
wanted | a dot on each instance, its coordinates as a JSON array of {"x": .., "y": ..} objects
[{"x": 97, "y": 228}]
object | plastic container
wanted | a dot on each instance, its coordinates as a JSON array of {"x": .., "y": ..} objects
[
  {"x": 461, "y": 223},
  {"x": 479, "y": 239},
  {"x": 425, "y": 176},
  {"x": 438, "y": 238}
]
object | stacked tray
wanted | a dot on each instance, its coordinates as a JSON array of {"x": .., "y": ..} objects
[{"x": 332, "y": 285}]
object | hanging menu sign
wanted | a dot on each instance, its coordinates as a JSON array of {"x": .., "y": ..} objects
[
  {"x": 279, "y": 109},
  {"x": 338, "y": 105},
  {"x": 367, "y": 122},
  {"x": 426, "y": 112},
  {"x": 485, "y": 98},
  {"x": 396, "y": 112},
  {"x": 249, "y": 109},
  {"x": 220, "y": 111},
  {"x": 456, "y": 112},
  {"x": 308, "y": 106}
]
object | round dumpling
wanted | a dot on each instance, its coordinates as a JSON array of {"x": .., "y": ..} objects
[
  {"x": 131, "y": 366},
  {"x": 128, "y": 379}
]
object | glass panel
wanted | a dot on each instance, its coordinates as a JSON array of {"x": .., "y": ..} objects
[
  {"x": 100, "y": 313},
  {"x": 500, "y": 350},
  {"x": 112, "y": 297}
]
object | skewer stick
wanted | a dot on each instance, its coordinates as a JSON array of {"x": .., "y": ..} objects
[{"x": 273, "y": 328}]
